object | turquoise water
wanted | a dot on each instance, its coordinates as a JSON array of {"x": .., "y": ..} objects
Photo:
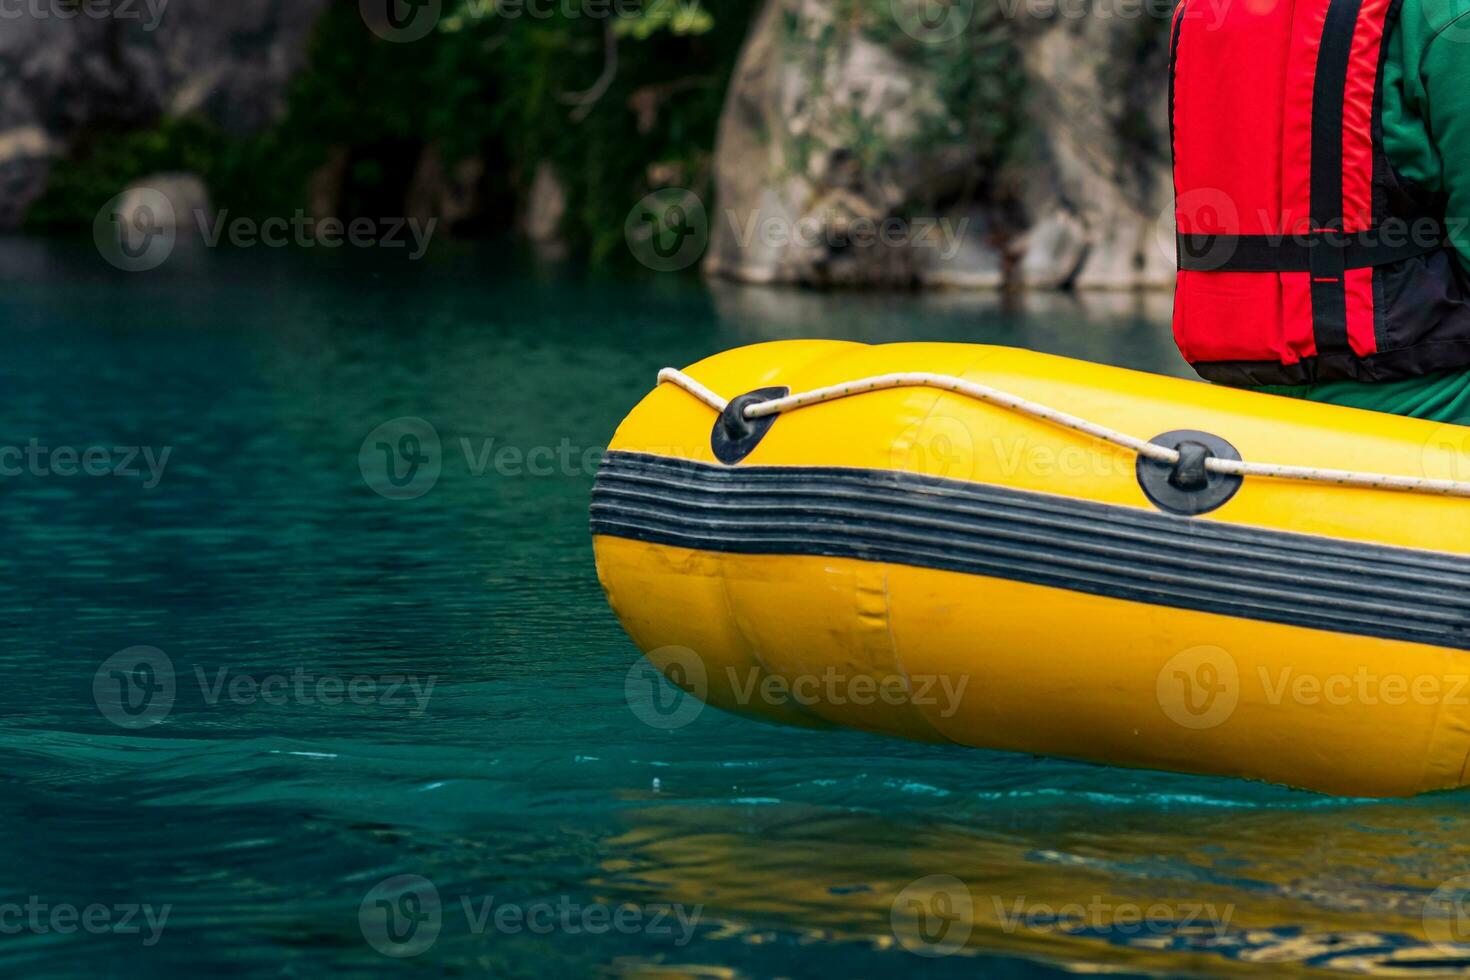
[{"x": 260, "y": 818}]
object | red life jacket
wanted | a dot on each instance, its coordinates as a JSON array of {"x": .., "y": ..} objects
[{"x": 1303, "y": 255}]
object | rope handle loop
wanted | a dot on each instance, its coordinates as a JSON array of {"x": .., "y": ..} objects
[{"x": 1022, "y": 406}]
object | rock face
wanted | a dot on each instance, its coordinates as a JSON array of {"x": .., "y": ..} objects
[
  {"x": 1102, "y": 167},
  {"x": 165, "y": 202},
  {"x": 853, "y": 150},
  {"x": 543, "y": 212},
  {"x": 126, "y": 67}
]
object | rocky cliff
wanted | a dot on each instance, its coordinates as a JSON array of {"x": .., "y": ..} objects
[
  {"x": 74, "y": 73},
  {"x": 929, "y": 143},
  {"x": 956, "y": 144}
]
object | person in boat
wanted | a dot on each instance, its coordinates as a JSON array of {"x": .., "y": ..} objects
[{"x": 1322, "y": 184}]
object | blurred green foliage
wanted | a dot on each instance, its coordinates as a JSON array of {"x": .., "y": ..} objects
[
  {"x": 617, "y": 106},
  {"x": 255, "y": 175},
  {"x": 976, "y": 78}
]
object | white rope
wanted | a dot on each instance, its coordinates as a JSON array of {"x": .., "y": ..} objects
[
  {"x": 675, "y": 376},
  {"x": 922, "y": 379},
  {"x": 993, "y": 396},
  {"x": 1345, "y": 478}
]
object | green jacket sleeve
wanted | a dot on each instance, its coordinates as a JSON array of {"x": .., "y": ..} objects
[{"x": 1444, "y": 87}]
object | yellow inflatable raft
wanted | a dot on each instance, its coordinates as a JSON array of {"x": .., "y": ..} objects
[{"x": 1017, "y": 551}]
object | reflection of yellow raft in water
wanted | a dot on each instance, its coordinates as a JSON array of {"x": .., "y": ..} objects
[{"x": 981, "y": 565}]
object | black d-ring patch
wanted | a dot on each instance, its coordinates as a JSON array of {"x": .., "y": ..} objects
[
  {"x": 1187, "y": 487},
  {"x": 734, "y": 436}
]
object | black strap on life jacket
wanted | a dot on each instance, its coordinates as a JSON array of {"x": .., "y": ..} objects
[
  {"x": 1329, "y": 260},
  {"x": 1304, "y": 253}
]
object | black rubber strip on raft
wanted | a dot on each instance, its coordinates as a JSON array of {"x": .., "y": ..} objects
[{"x": 1043, "y": 539}]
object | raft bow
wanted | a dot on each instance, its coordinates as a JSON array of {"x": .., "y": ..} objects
[{"x": 982, "y": 549}]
